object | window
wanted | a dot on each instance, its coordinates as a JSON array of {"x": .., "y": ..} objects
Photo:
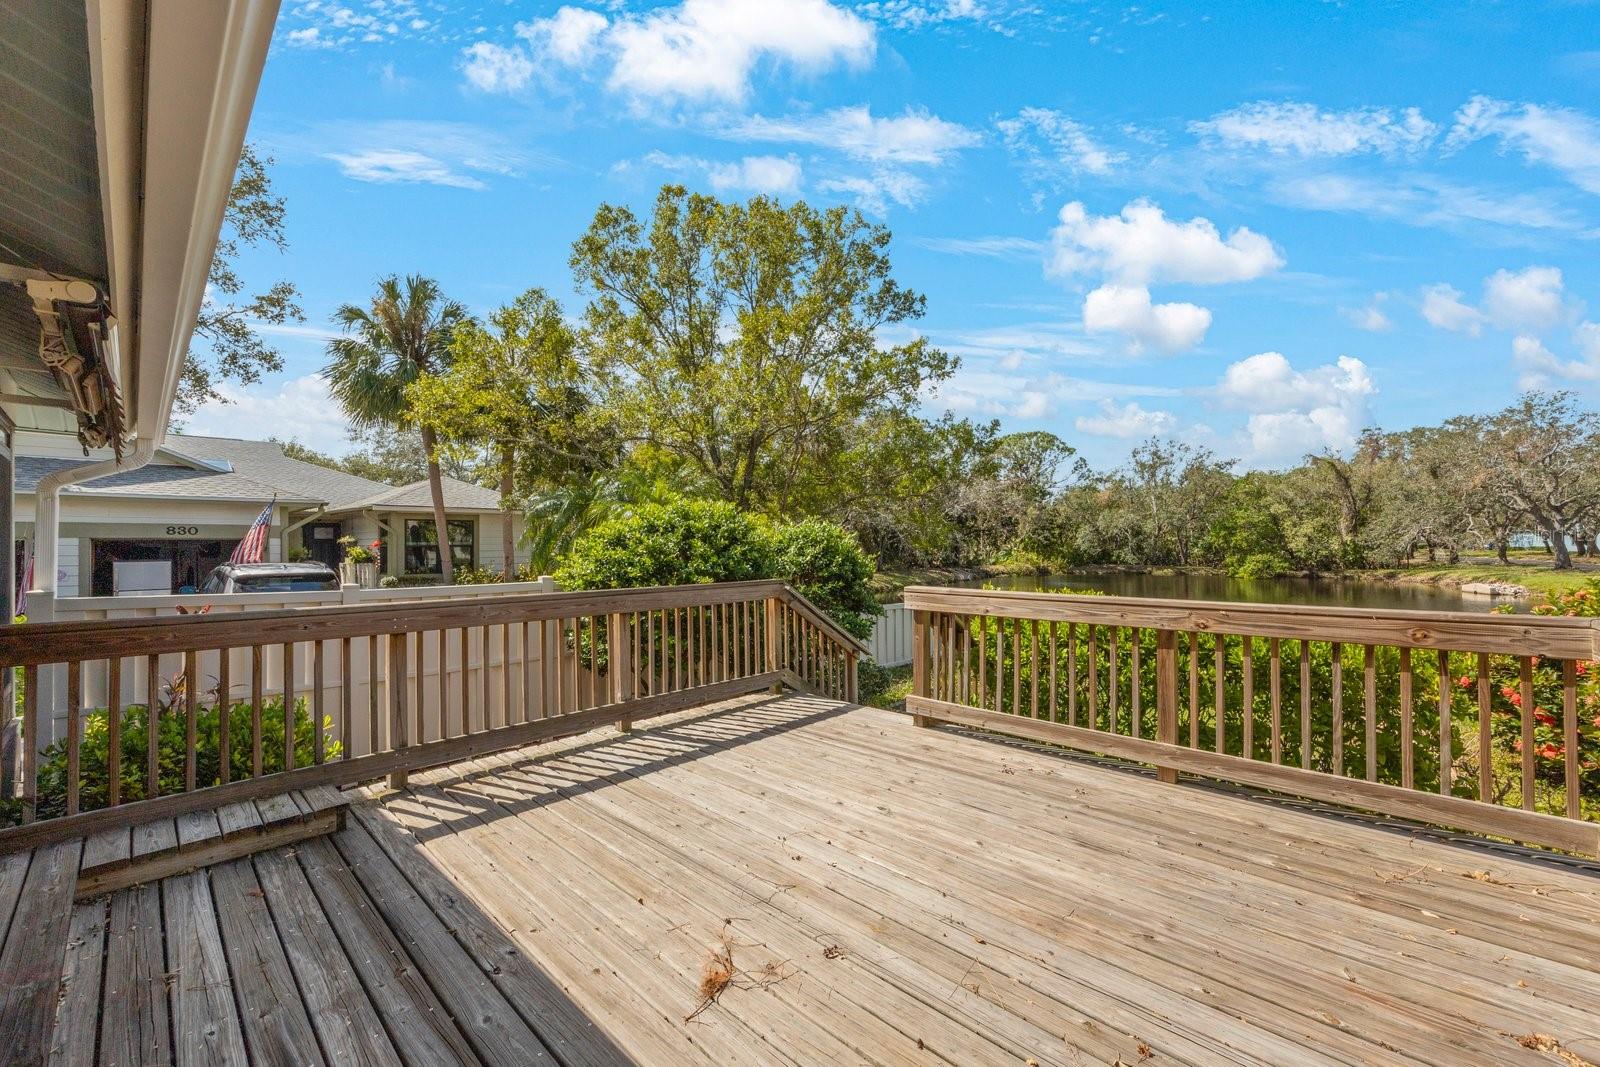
[{"x": 422, "y": 545}]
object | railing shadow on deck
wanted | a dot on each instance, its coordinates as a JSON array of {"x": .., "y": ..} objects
[{"x": 780, "y": 715}]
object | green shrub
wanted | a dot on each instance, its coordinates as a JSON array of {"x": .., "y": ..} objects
[
  {"x": 476, "y": 576},
  {"x": 687, "y": 542},
  {"x": 681, "y": 543},
  {"x": 825, "y": 563},
  {"x": 95, "y": 746}
]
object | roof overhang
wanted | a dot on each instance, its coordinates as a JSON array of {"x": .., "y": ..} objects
[{"x": 123, "y": 153}]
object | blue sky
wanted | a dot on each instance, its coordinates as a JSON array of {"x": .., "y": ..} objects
[{"x": 1258, "y": 227}]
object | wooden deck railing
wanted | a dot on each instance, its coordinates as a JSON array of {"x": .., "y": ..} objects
[
  {"x": 1483, "y": 722},
  {"x": 380, "y": 689}
]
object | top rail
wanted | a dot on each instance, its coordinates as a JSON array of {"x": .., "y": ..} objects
[{"x": 1557, "y": 636}]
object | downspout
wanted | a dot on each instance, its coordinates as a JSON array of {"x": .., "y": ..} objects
[{"x": 47, "y": 509}]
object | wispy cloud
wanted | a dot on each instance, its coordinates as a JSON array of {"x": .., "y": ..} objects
[
  {"x": 1018, "y": 248},
  {"x": 1562, "y": 138},
  {"x": 1304, "y": 130},
  {"x": 452, "y": 154},
  {"x": 914, "y": 136}
]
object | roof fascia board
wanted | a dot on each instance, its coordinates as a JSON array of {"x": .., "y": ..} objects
[{"x": 204, "y": 64}]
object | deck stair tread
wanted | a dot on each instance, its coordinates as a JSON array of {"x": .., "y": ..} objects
[{"x": 117, "y": 858}]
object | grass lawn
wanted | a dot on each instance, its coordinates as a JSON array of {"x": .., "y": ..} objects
[{"x": 1530, "y": 568}]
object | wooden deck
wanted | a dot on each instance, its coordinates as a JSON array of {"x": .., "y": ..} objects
[{"x": 870, "y": 892}]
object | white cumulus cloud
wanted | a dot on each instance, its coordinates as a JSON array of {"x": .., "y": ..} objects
[
  {"x": 1129, "y": 420},
  {"x": 1443, "y": 307},
  {"x": 1293, "y": 412},
  {"x": 1141, "y": 245},
  {"x": 496, "y": 68},
  {"x": 697, "y": 51},
  {"x": 1305, "y": 130},
  {"x": 299, "y": 409},
  {"x": 1532, "y": 298},
  {"x": 1128, "y": 310},
  {"x": 873, "y": 193}
]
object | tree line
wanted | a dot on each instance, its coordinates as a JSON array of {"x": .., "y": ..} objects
[{"x": 750, "y": 352}]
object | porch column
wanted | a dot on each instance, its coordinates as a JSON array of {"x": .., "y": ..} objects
[{"x": 10, "y": 730}]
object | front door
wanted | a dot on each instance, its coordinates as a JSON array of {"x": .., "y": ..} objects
[{"x": 322, "y": 541}]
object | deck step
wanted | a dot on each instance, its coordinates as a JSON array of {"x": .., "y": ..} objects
[{"x": 127, "y": 856}]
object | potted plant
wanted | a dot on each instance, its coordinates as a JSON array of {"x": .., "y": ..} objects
[{"x": 360, "y": 566}]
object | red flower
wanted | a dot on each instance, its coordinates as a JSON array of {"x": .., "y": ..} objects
[
  {"x": 1549, "y": 751},
  {"x": 1465, "y": 681},
  {"x": 1517, "y": 744},
  {"x": 1515, "y": 698},
  {"x": 1508, "y": 691},
  {"x": 1544, "y": 717}
]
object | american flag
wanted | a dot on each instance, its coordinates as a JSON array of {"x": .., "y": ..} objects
[{"x": 254, "y": 545}]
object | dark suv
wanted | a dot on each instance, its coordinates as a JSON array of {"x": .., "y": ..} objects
[{"x": 270, "y": 578}]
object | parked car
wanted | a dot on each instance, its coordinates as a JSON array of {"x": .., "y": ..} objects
[{"x": 270, "y": 578}]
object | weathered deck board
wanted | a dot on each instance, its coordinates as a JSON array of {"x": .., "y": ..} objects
[{"x": 889, "y": 895}]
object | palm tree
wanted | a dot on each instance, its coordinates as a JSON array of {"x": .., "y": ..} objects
[{"x": 406, "y": 332}]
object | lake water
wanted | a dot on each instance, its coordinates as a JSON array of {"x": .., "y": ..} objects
[{"x": 1323, "y": 591}]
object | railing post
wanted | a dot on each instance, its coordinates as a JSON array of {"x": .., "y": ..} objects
[
  {"x": 919, "y": 662},
  {"x": 850, "y": 692},
  {"x": 772, "y": 638},
  {"x": 1167, "y": 697},
  {"x": 397, "y": 704}
]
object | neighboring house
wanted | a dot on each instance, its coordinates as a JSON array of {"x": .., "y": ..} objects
[{"x": 197, "y": 497}]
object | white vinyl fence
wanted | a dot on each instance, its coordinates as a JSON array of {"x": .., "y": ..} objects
[
  {"x": 511, "y": 648},
  {"x": 890, "y": 643}
]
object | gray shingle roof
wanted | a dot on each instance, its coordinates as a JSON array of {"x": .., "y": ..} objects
[
  {"x": 265, "y": 462},
  {"x": 458, "y": 496},
  {"x": 158, "y": 480},
  {"x": 255, "y": 470}
]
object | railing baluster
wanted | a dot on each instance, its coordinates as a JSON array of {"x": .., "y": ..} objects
[
  {"x": 191, "y": 707},
  {"x": 1167, "y": 698},
  {"x": 1094, "y": 677},
  {"x": 1369, "y": 700},
  {"x": 374, "y": 706},
  {"x": 1053, "y": 689},
  {"x": 1569, "y": 726},
  {"x": 30, "y": 743},
  {"x": 1247, "y": 697},
  {"x": 1525, "y": 664},
  {"x": 1194, "y": 690},
  {"x": 507, "y": 679},
  {"x": 1136, "y": 697},
  {"x": 398, "y": 712},
  {"x": 1033, "y": 667},
  {"x": 983, "y": 660},
  {"x": 74, "y": 734},
  {"x": 1408, "y": 751},
  {"x": 346, "y": 699},
  {"x": 1337, "y": 707},
  {"x": 1072, "y": 674},
  {"x": 1112, "y": 689},
  {"x": 319, "y": 684},
  {"x": 224, "y": 705},
  {"x": 288, "y": 707},
  {"x": 442, "y": 680},
  {"x": 256, "y": 753},
  {"x": 1219, "y": 688},
  {"x": 1275, "y": 696},
  {"x": 1446, "y": 748},
  {"x": 1305, "y": 704},
  {"x": 114, "y": 731}
]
